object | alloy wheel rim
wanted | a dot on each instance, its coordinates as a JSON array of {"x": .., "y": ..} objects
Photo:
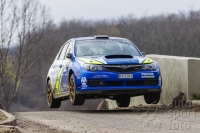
[
  {"x": 72, "y": 88},
  {"x": 49, "y": 94}
]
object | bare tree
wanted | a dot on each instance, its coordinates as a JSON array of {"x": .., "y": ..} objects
[{"x": 23, "y": 25}]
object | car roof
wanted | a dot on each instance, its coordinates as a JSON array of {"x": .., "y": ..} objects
[{"x": 93, "y": 38}]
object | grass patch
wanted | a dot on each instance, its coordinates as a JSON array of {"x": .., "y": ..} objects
[{"x": 196, "y": 96}]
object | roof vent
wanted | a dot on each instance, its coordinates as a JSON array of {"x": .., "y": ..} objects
[{"x": 101, "y": 37}]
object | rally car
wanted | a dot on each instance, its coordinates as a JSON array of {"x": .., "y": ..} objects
[{"x": 102, "y": 67}]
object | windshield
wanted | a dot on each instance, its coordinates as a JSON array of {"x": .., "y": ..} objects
[{"x": 105, "y": 47}]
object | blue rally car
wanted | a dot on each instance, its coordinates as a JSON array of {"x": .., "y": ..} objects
[{"x": 102, "y": 67}]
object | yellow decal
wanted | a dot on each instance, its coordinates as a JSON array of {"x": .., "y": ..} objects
[
  {"x": 58, "y": 82},
  {"x": 147, "y": 61},
  {"x": 90, "y": 61}
]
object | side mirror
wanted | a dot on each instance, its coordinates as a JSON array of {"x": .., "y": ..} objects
[
  {"x": 69, "y": 55},
  {"x": 143, "y": 53}
]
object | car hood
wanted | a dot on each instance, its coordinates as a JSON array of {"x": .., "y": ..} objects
[{"x": 115, "y": 59}]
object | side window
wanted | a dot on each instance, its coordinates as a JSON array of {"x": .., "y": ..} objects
[
  {"x": 69, "y": 49},
  {"x": 57, "y": 57},
  {"x": 62, "y": 54}
]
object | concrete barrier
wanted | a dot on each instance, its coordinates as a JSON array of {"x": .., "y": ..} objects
[
  {"x": 178, "y": 74},
  {"x": 11, "y": 121}
]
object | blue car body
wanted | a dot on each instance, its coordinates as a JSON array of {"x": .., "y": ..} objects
[{"x": 119, "y": 75}]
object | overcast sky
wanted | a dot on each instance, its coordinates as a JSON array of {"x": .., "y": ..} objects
[{"x": 113, "y": 9}]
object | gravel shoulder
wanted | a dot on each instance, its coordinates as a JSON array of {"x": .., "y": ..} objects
[
  {"x": 29, "y": 126},
  {"x": 4, "y": 128},
  {"x": 8, "y": 129},
  {"x": 132, "y": 121}
]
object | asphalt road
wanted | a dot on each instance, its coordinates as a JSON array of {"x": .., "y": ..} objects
[{"x": 121, "y": 121}]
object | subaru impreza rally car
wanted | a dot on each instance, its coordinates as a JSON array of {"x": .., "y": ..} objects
[{"x": 102, "y": 67}]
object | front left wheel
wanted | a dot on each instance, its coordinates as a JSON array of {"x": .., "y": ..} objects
[
  {"x": 52, "y": 102},
  {"x": 76, "y": 99},
  {"x": 152, "y": 98}
]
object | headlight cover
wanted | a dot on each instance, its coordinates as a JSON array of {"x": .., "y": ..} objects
[
  {"x": 91, "y": 67},
  {"x": 151, "y": 66}
]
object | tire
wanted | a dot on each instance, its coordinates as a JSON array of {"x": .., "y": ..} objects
[
  {"x": 123, "y": 101},
  {"x": 152, "y": 98},
  {"x": 52, "y": 103},
  {"x": 75, "y": 98}
]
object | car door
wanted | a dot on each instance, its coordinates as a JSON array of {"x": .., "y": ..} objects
[
  {"x": 64, "y": 79},
  {"x": 58, "y": 68},
  {"x": 54, "y": 69}
]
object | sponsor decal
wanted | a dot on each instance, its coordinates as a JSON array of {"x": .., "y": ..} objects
[
  {"x": 90, "y": 61},
  {"x": 101, "y": 60},
  {"x": 54, "y": 72},
  {"x": 101, "y": 76},
  {"x": 78, "y": 74},
  {"x": 64, "y": 69},
  {"x": 64, "y": 85},
  {"x": 57, "y": 88},
  {"x": 78, "y": 77},
  {"x": 147, "y": 61},
  {"x": 83, "y": 81},
  {"x": 147, "y": 75}
]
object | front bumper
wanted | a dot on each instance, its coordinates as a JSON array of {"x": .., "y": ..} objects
[{"x": 100, "y": 82}]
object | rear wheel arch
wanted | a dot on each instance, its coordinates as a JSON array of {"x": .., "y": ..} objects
[{"x": 48, "y": 79}]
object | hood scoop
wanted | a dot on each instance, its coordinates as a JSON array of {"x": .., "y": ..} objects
[{"x": 118, "y": 56}]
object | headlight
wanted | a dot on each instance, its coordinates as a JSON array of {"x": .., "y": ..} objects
[
  {"x": 90, "y": 67},
  {"x": 151, "y": 66}
]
